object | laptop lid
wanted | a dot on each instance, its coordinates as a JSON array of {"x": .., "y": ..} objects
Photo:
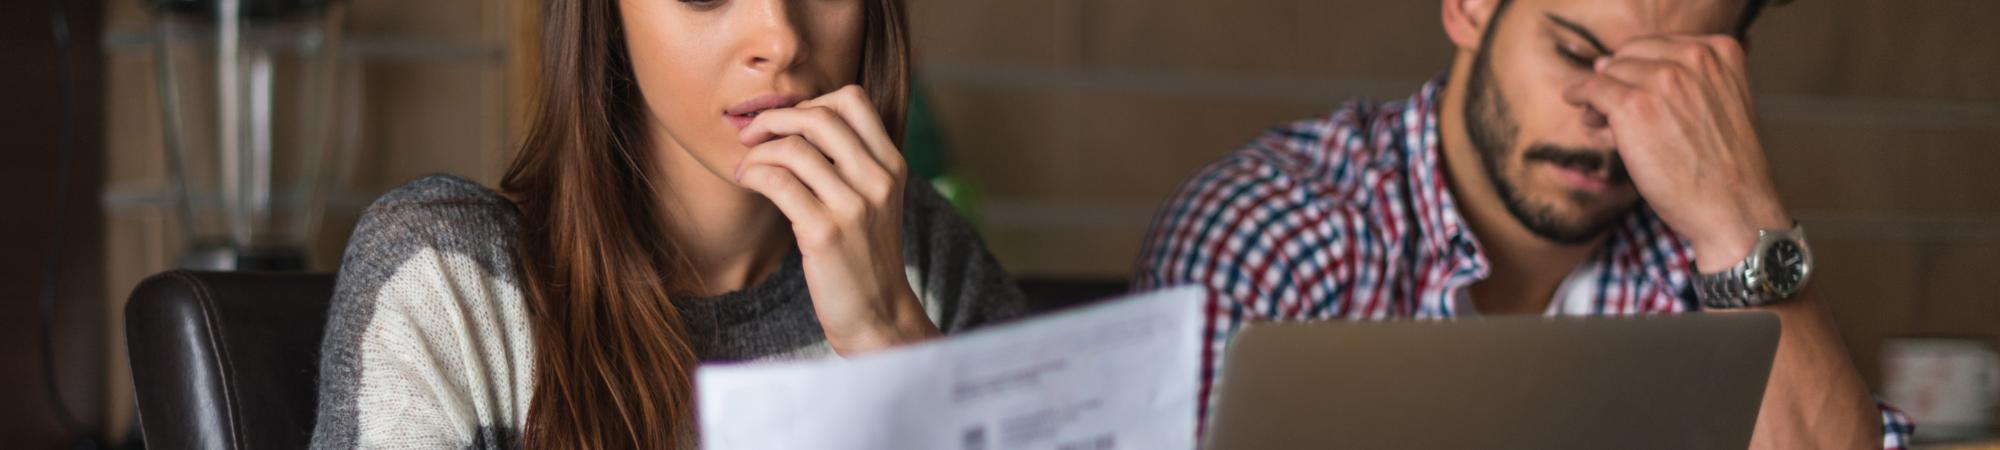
[{"x": 1691, "y": 381}]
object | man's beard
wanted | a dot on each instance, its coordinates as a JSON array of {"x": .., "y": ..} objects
[{"x": 1493, "y": 131}]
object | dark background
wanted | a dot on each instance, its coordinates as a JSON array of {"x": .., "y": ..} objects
[{"x": 31, "y": 121}]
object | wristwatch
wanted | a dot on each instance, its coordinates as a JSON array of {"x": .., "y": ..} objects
[{"x": 1777, "y": 268}]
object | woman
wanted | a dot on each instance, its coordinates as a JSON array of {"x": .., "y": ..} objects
[{"x": 702, "y": 180}]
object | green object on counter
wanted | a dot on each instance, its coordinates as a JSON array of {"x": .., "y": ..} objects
[
  {"x": 963, "y": 196},
  {"x": 927, "y": 153},
  {"x": 923, "y": 142}
]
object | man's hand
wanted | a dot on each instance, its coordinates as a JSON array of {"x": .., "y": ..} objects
[{"x": 1681, "y": 112}]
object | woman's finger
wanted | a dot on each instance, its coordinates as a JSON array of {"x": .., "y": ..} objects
[
  {"x": 853, "y": 104},
  {"x": 822, "y": 125},
  {"x": 785, "y": 190},
  {"x": 808, "y": 163},
  {"x": 831, "y": 134}
]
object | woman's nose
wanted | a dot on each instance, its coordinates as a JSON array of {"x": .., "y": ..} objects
[{"x": 775, "y": 38}]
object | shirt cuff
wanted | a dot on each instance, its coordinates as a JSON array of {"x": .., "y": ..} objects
[{"x": 1897, "y": 429}]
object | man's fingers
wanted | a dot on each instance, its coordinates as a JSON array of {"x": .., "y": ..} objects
[
  {"x": 1718, "y": 58},
  {"x": 1726, "y": 49},
  {"x": 1694, "y": 52},
  {"x": 1607, "y": 95},
  {"x": 1682, "y": 69},
  {"x": 1735, "y": 74},
  {"x": 1651, "y": 74}
]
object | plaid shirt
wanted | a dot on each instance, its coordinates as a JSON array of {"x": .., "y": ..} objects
[{"x": 1348, "y": 216}]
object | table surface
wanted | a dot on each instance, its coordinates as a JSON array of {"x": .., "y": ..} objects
[{"x": 1990, "y": 443}]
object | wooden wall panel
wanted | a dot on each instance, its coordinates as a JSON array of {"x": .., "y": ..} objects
[
  {"x": 1192, "y": 35},
  {"x": 1875, "y": 171},
  {"x": 1018, "y": 146},
  {"x": 1019, "y": 32},
  {"x": 1932, "y": 49}
]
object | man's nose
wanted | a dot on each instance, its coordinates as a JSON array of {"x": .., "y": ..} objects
[{"x": 1597, "y": 127}]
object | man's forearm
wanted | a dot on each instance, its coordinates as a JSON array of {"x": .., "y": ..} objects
[{"x": 1815, "y": 399}]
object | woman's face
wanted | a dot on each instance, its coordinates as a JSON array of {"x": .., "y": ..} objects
[{"x": 706, "y": 67}]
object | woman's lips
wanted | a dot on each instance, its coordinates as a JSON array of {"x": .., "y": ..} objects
[
  {"x": 740, "y": 114},
  {"x": 740, "y": 121}
]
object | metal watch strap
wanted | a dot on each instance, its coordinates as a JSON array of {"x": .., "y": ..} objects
[
  {"x": 1725, "y": 290},
  {"x": 1738, "y": 286}
]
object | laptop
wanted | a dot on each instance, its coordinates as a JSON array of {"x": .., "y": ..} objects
[{"x": 1691, "y": 381}]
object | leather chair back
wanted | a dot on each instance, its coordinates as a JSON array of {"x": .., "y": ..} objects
[{"x": 227, "y": 360}]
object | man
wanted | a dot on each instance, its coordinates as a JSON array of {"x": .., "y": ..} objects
[{"x": 1582, "y": 157}]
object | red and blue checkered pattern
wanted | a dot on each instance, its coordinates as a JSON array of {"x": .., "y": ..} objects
[{"x": 1348, "y": 217}]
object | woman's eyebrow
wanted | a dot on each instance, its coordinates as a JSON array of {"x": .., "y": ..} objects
[{"x": 1580, "y": 31}]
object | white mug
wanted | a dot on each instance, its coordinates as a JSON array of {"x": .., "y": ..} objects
[{"x": 1949, "y": 386}]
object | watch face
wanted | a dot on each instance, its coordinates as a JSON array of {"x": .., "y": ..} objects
[{"x": 1784, "y": 265}]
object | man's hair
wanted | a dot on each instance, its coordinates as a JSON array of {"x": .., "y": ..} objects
[{"x": 1751, "y": 10}]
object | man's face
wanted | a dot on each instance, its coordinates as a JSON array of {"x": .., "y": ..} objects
[{"x": 1554, "y": 163}]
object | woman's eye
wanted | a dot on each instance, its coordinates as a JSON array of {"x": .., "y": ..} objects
[{"x": 701, "y": 3}]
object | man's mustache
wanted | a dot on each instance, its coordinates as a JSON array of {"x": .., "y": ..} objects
[{"x": 1581, "y": 160}]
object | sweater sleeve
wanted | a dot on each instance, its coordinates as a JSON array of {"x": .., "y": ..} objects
[
  {"x": 427, "y": 343},
  {"x": 962, "y": 286}
]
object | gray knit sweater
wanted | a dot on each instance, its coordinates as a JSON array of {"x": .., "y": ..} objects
[{"x": 428, "y": 344}]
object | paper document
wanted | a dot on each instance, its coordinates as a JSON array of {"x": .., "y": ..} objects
[{"x": 1121, "y": 374}]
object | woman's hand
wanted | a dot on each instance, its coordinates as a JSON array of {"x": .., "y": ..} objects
[{"x": 831, "y": 168}]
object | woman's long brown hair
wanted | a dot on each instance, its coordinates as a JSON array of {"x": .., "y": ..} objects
[{"x": 613, "y": 364}]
